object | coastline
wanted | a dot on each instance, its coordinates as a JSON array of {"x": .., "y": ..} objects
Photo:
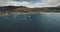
[{"x": 29, "y": 13}]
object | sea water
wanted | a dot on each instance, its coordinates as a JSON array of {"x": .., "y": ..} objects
[{"x": 38, "y": 22}]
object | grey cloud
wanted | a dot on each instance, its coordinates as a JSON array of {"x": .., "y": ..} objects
[
  {"x": 46, "y": 3},
  {"x": 26, "y": 0}
]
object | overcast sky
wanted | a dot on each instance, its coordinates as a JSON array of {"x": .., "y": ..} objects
[{"x": 30, "y": 3}]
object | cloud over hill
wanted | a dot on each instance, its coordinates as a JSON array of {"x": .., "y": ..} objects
[{"x": 30, "y": 3}]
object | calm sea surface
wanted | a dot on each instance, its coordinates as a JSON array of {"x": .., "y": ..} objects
[{"x": 49, "y": 22}]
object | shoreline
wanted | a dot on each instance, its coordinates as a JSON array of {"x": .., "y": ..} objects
[{"x": 29, "y": 13}]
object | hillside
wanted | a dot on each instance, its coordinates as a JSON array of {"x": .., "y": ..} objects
[{"x": 23, "y": 9}]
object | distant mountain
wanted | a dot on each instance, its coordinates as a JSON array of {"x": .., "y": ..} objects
[
  {"x": 26, "y": 9},
  {"x": 8, "y": 8},
  {"x": 52, "y": 8}
]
